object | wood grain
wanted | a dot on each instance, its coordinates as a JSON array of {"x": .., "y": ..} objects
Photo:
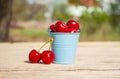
[{"x": 94, "y": 60}]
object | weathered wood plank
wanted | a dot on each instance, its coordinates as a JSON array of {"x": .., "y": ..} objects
[
  {"x": 60, "y": 75},
  {"x": 94, "y": 60}
]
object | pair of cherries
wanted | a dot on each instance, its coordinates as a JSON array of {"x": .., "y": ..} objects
[
  {"x": 46, "y": 56},
  {"x": 70, "y": 27}
]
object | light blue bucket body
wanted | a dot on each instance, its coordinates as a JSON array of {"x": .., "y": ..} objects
[{"x": 64, "y": 46}]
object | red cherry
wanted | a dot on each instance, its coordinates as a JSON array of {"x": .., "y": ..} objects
[
  {"x": 72, "y": 30},
  {"x": 73, "y": 24},
  {"x": 34, "y": 56},
  {"x": 52, "y": 27},
  {"x": 47, "y": 57},
  {"x": 61, "y": 27}
]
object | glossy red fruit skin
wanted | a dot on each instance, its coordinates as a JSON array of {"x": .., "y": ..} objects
[
  {"x": 73, "y": 24},
  {"x": 34, "y": 56},
  {"x": 52, "y": 28},
  {"x": 61, "y": 27},
  {"x": 47, "y": 57},
  {"x": 72, "y": 30}
]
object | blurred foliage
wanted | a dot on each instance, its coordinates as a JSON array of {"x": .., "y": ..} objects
[
  {"x": 93, "y": 21},
  {"x": 19, "y": 9},
  {"x": 24, "y": 11},
  {"x": 60, "y": 13},
  {"x": 95, "y": 26},
  {"x": 30, "y": 32},
  {"x": 115, "y": 14},
  {"x": 29, "y": 35},
  {"x": 39, "y": 16},
  {"x": 77, "y": 2}
]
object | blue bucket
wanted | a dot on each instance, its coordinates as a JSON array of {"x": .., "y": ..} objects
[{"x": 64, "y": 46}]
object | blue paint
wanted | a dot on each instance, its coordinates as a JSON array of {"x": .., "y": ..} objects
[{"x": 64, "y": 46}]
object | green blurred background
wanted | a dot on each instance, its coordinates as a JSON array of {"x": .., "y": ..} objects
[{"x": 99, "y": 19}]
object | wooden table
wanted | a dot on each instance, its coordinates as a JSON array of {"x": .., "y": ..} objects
[{"x": 94, "y": 60}]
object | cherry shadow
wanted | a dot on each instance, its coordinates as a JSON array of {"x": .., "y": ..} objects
[
  {"x": 32, "y": 63},
  {"x": 27, "y": 61}
]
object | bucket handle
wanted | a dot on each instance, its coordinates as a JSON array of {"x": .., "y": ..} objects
[{"x": 51, "y": 41}]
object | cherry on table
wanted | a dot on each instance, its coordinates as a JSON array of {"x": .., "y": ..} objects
[
  {"x": 34, "y": 56},
  {"x": 47, "y": 56}
]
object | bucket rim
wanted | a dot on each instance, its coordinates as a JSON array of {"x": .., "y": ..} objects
[{"x": 63, "y": 33}]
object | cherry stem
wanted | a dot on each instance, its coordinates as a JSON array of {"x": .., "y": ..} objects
[
  {"x": 43, "y": 45},
  {"x": 51, "y": 40}
]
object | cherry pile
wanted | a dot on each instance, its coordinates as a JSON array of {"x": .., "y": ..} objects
[
  {"x": 47, "y": 56},
  {"x": 70, "y": 27}
]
